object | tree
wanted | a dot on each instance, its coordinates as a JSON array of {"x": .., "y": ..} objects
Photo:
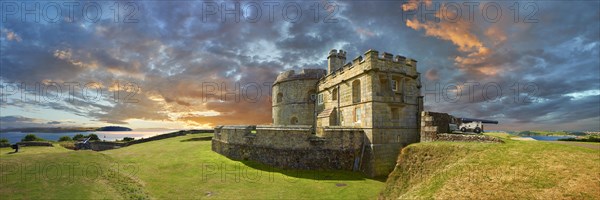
[
  {"x": 30, "y": 137},
  {"x": 127, "y": 139},
  {"x": 78, "y": 136},
  {"x": 3, "y": 141},
  {"x": 64, "y": 138},
  {"x": 93, "y": 137}
]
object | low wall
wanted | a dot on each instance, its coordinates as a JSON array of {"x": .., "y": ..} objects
[
  {"x": 291, "y": 146},
  {"x": 34, "y": 143},
  {"x": 102, "y": 146},
  {"x": 467, "y": 138},
  {"x": 433, "y": 123}
]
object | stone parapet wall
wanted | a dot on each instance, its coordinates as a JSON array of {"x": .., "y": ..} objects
[
  {"x": 291, "y": 146},
  {"x": 34, "y": 143},
  {"x": 467, "y": 138},
  {"x": 433, "y": 123}
]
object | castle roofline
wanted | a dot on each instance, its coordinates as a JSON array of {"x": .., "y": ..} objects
[{"x": 304, "y": 74}]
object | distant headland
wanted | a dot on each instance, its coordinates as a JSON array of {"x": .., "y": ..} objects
[{"x": 113, "y": 128}]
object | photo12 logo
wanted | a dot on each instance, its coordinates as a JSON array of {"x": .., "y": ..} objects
[
  {"x": 471, "y": 11},
  {"x": 255, "y": 11},
  {"x": 53, "y": 12},
  {"x": 92, "y": 91}
]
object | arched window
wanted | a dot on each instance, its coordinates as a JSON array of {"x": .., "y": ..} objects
[
  {"x": 294, "y": 121},
  {"x": 334, "y": 94},
  {"x": 279, "y": 97},
  {"x": 356, "y": 91}
]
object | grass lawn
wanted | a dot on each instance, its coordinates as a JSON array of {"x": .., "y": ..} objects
[
  {"x": 186, "y": 168},
  {"x": 174, "y": 168},
  {"x": 55, "y": 173},
  {"x": 514, "y": 170}
]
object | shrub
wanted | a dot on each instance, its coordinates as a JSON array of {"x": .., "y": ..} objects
[
  {"x": 78, "y": 136},
  {"x": 3, "y": 141},
  {"x": 64, "y": 139},
  {"x": 127, "y": 139},
  {"x": 93, "y": 137},
  {"x": 31, "y": 137}
]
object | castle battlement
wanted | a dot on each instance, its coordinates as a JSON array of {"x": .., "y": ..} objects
[{"x": 376, "y": 61}]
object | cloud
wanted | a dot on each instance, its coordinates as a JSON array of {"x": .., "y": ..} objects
[
  {"x": 10, "y": 35},
  {"x": 171, "y": 54}
]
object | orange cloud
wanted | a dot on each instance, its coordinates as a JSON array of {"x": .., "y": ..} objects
[{"x": 463, "y": 34}]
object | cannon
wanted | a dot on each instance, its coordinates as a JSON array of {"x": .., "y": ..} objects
[{"x": 471, "y": 124}]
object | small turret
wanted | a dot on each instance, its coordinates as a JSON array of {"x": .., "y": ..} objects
[{"x": 335, "y": 60}]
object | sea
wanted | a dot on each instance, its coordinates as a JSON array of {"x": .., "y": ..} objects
[
  {"x": 550, "y": 138},
  {"x": 14, "y": 137}
]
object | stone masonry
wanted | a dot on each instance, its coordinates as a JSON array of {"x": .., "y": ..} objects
[{"x": 356, "y": 116}]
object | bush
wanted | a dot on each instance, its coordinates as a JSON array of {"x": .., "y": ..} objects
[
  {"x": 128, "y": 139},
  {"x": 78, "y": 136},
  {"x": 64, "y": 139},
  {"x": 31, "y": 137},
  {"x": 93, "y": 137},
  {"x": 3, "y": 141}
]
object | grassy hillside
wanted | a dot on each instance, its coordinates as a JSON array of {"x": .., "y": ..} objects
[
  {"x": 514, "y": 170},
  {"x": 174, "y": 168}
]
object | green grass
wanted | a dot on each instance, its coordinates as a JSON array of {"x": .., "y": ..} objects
[
  {"x": 54, "y": 173},
  {"x": 514, "y": 170},
  {"x": 186, "y": 168},
  {"x": 174, "y": 168}
]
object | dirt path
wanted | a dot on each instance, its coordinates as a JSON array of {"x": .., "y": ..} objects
[{"x": 579, "y": 144}]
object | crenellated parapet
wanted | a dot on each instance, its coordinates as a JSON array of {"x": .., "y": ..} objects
[{"x": 373, "y": 60}]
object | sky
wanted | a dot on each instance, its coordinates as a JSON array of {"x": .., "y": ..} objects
[{"x": 193, "y": 64}]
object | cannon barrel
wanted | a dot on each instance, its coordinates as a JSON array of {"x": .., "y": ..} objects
[{"x": 485, "y": 121}]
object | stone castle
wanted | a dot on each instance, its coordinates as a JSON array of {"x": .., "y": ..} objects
[{"x": 352, "y": 116}]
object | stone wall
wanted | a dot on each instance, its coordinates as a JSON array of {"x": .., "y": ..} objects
[
  {"x": 102, "y": 145},
  {"x": 433, "y": 123},
  {"x": 292, "y": 147},
  {"x": 435, "y": 127},
  {"x": 34, "y": 143},
  {"x": 292, "y": 103},
  {"x": 467, "y": 138}
]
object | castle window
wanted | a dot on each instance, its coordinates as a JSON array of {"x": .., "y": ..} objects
[
  {"x": 334, "y": 94},
  {"x": 294, "y": 121},
  {"x": 394, "y": 85},
  {"x": 356, "y": 91},
  {"x": 320, "y": 99},
  {"x": 357, "y": 114},
  {"x": 279, "y": 97}
]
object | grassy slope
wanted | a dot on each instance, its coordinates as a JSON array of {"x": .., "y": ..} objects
[
  {"x": 54, "y": 173},
  {"x": 174, "y": 169},
  {"x": 515, "y": 170},
  {"x": 171, "y": 169}
]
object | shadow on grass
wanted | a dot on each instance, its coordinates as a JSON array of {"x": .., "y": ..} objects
[
  {"x": 206, "y": 138},
  {"x": 317, "y": 175}
]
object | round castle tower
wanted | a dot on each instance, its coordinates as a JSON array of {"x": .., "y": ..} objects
[{"x": 294, "y": 97}]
